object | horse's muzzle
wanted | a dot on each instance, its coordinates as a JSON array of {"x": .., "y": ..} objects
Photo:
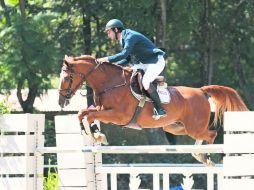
[{"x": 63, "y": 101}]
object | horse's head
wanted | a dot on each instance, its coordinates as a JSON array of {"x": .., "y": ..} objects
[
  {"x": 77, "y": 69},
  {"x": 72, "y": 76}
]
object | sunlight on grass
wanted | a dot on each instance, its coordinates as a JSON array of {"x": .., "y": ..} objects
[{"x": 51, "y": 181}]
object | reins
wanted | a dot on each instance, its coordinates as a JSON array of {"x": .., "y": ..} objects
[{"x": 116, "y": 86}]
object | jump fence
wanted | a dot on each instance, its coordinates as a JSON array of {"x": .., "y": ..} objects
[{"x": 79, "y": 158}]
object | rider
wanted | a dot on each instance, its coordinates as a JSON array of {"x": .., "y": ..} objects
[{"x": 150, "y": 58}]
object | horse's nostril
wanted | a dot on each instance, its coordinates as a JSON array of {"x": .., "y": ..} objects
[
  {"x": 61, "y": 101},
  {"x": 67, "y": 101}
]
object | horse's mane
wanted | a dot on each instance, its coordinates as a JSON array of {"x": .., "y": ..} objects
[
  {"x": 76, "y": 60},
  {"x": 85, "y": 57}
]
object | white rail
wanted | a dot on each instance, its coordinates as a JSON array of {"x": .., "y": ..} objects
[
  {"x": 80, "y": 164},
  {"x": 146, "y": 149},
  {"x": 159, "y": 168},
  {"x": 164, "y": 170}
]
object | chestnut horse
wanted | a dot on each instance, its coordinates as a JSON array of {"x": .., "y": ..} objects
[{"x": 188, "y": 112}]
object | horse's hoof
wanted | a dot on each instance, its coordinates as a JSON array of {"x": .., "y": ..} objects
[
  {"x": 200, "y": 157},
  {"x": 100, "y": 137},
  {"x": 103, "y": 139},
  {"x": 209, "y": 163},
  {"x": 96, "y": 135},
  {"x": 203, "y": 158}
]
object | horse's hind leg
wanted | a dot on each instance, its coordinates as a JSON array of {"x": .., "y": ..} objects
[
  {"x": 210, "y": 137},
  {"x": 175, "y": 128},
  {"x": 204, "y": 158}
]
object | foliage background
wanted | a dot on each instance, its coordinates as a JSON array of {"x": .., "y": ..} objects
[{"x": 207, "y": 41}]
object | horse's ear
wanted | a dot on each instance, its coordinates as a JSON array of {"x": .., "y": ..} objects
[{"x": 66, "y": 60}]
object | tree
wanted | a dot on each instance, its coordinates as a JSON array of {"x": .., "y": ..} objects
[
  {"x": 28, "y": 55},
  {"x": 237, "y": 42},
  {"x": 161, "y": 23},
  {"x": 209, "y": 42},
  {"x": 6, "y": 12}
]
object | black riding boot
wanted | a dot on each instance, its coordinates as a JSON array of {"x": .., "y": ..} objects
[{"x": 159, "y": 110}]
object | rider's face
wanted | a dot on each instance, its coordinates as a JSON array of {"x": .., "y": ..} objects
[{"x": 111, "y": 34}]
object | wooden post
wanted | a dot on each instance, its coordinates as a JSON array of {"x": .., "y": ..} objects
[
  {"x": 17, "y": 147},
  {"x": 239, "y": 138},
  {"x": 76, "y": 169}
]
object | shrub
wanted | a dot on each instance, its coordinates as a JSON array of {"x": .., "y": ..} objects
[{"x": 4, "y": 107}]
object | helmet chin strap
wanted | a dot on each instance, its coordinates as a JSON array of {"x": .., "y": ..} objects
[{"x": 115, "y": 32}]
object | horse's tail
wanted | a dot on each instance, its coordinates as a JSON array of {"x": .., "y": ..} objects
[{"x": 225, "y": 99}]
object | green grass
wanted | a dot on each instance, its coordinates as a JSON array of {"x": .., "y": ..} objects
[{"x": 51, "y": 181}]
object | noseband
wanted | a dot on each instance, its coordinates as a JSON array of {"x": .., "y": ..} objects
[{"x": 69, "y": 91}]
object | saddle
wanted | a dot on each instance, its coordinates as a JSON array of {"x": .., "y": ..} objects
[{"x": 139, "y": 92}]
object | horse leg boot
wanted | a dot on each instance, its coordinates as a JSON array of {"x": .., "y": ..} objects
[{"x": 159, "y": 110}]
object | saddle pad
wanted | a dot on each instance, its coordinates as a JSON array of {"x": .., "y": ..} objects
[{"x": 164, "y": 95}]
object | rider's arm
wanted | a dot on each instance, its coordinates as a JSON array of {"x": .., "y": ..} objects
[
  {"x": 128, "y": 47},
  {"x": 123, "y": 62}
]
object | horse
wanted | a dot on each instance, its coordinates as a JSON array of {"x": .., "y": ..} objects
[{"x": 188, "y": 112}]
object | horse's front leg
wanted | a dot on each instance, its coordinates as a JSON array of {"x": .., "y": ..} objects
[
  {"x": 92, "y": 128},
  {"x": 106, "y": 116}
]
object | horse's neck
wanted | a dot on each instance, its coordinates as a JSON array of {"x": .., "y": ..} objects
[{"x": 109, "y": 77}]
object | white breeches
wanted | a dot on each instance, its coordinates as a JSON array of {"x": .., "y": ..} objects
[{"x": 151, "y": 71}]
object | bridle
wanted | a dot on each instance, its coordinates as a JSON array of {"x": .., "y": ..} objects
[{"x": 70, "y": 67}]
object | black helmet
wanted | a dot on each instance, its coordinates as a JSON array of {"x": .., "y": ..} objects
[{"x": 114, "y": 23}]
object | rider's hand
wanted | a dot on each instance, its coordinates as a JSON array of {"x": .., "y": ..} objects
[{"x": 103, "y": 60}]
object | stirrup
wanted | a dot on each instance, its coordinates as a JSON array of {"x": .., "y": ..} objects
[{"x": 157, "y": 116}]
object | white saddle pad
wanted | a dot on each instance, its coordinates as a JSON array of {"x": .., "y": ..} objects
[{"x": 164, "y": 95}]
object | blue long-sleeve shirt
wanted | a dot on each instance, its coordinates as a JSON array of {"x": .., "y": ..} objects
[{"x": 136, "y": 44}]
